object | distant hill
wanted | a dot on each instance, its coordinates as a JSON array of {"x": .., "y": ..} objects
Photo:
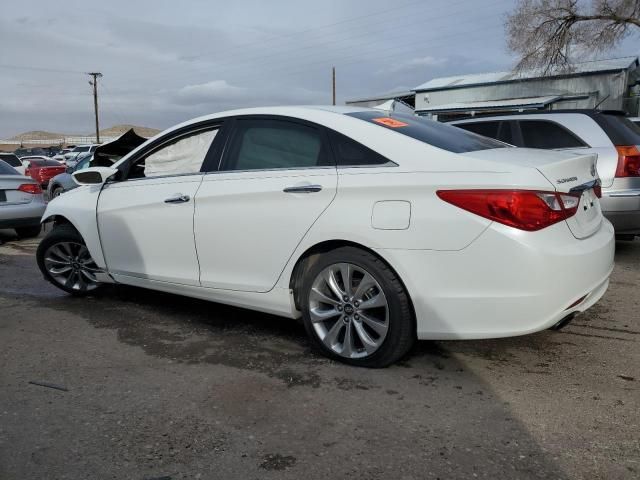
[
  {"x": 37, "y": 135},
  {"x": 118, "y": 130},
  {"x": 114, "y": 131}
]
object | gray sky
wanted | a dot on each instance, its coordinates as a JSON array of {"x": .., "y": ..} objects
[{"x": 164, "y": 62}]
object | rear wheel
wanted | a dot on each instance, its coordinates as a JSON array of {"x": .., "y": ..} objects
[
  {"x": 356, "y": 309},
  {"x": 29, "y": 232},
  {"x": 65, "y": 261}
]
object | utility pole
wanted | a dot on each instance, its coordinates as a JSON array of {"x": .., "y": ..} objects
[
  {"x": 94, "y": 82},
  {"x": 333, "y": 75}
]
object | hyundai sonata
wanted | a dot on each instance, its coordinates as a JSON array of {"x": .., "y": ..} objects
[{"x": 374, "y": 228}]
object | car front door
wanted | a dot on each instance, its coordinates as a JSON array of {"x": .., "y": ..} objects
[
  {"x": 276, "y": 178},
  {"x": 146, "y": 220}
]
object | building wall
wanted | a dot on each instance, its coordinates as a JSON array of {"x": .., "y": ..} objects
[{"x": 597, "y": 86}]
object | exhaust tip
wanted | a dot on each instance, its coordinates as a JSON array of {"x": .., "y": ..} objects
[{"x": 564, "y": 322}]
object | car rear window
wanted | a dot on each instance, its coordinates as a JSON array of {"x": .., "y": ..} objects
[
  {"x": 44, "y": 163},
  {"x": 6, "y": 169},
  {"x": 620, "y": 130},
  {"x": 548, "y": 135},
  {"x": 11, "y": 159},
  {"x": 433, "y": 133}
]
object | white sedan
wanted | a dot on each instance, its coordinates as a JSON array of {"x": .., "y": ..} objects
[{"x": 375, "y": 228}]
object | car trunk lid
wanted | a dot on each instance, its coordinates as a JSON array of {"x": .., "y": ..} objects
[
  {"x": 9, "y": 193},
  {"x": 569, "y": 173}
]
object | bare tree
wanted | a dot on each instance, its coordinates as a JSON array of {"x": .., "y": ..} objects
[{"x": 541, "y": 32}]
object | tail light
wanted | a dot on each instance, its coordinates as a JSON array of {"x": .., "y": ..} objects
[
  {"x": 32, "y": 188},
  {"x": 628, "y": 161},
  {"x": 528, "y": 210},
  {"x": 598, "y": 191}
]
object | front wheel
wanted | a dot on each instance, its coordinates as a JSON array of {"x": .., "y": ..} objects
[
  {"x": 65, "y": 261},
  {"x": 356, "y": 309}
]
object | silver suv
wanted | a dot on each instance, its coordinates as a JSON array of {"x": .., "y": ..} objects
[{"x": 613, "y": 137}]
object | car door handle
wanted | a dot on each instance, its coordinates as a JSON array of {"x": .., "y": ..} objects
[
  {"x": 178, "y": 199},
  {"x": 303, "y": 189}
]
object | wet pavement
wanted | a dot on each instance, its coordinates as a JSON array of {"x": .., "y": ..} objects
[{"x": 165, "y": 387}]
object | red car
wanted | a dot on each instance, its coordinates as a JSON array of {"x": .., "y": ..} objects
[{"x": 42, "y": 169}]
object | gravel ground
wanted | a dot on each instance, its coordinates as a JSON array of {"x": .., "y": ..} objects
[{"x": 163, "y": 387}]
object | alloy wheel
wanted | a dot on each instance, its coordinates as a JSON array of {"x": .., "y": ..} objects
[
  {"x": 71, "y": 265},
  {"x": 349, "y": 310}
]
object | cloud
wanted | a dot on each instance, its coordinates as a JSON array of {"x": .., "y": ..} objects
[
  {"x": 413, "y": 64},
  {"x": 212, "y": 91}
]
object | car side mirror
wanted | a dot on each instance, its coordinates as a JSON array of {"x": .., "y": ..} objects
[{"x": 94, "y": 175}]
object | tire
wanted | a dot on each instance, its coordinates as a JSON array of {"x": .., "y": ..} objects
[
  {"x": 57, "y": 191},
  {"x": 29, "y": 232},
  {"x": 393, "y": 332},
  {"x": 64, "y": 260},
  {"x": 625, "y": 237}
]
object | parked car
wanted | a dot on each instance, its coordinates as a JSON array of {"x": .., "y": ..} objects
[
  {"x": 42, "y": 169},
  {"x": 30, "y": 152},
  {"x": 61, "y": 155},
  {"x": 73, "y": 161},
  {"x": 105, "y": 155},
  {"x": 70, "y": 156},
  {"x": 64, "y": 182},
  {"x": 610, "y": 135},
  {"x": 375, "y": 228},
  {"x": 13, "y": 160},
  {"x": 21, "y": 202},
  {"x": 53, "y": 151}
]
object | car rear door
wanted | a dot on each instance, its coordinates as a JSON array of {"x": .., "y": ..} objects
[{"x": 276, "y": 178}]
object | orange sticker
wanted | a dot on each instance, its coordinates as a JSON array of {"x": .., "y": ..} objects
[{"x": 390, "y": 122}]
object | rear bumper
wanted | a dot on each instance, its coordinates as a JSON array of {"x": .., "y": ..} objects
[
  {"x": 622, "y": 208},
  {"x": 506, "y": 283},
  {"x": 22, "y": 215}
]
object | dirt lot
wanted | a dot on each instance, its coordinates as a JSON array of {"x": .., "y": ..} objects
[{"x": 164, "y": 387}]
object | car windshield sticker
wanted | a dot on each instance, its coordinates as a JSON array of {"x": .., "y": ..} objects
[{"x": 390, "y": 122}]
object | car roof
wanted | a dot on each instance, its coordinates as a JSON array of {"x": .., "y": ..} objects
[
  {"x": 581, "y": 111},
  {"x": 296, "y": 111}
]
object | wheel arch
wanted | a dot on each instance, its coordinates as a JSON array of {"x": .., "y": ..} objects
[
  {"x": 306, "y": 259},
  {"x": 58, "y": 219}
]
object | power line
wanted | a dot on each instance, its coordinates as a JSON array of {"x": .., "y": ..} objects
[
  {"x": 362, "y": 55},
  {"x": 39, "y": 69},
  {"x": 263, "y": 60},
  {"x": 320, "y": 27},
  {"x": 234, "y": 63}
]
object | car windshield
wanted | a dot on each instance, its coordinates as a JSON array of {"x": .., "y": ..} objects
[
  {"x": 6, "y": 169},
  {"x": 81, "y": 149},
  {"x": 84, "y": 163},
  {"x": 434, "y": 133}
]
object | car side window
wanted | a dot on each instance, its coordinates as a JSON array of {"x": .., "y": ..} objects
[
  {"x": 179, "y": 156},
  {"x": 505, "y": 132},
  {"x": 486, "y": 129},
  {"x": 548, "y": 135},
  {"x": 348, "y": 152},
  {"x": 264, "y": 144}
]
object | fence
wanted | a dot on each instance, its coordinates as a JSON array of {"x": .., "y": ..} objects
[{"x": 58, "y": 141}]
